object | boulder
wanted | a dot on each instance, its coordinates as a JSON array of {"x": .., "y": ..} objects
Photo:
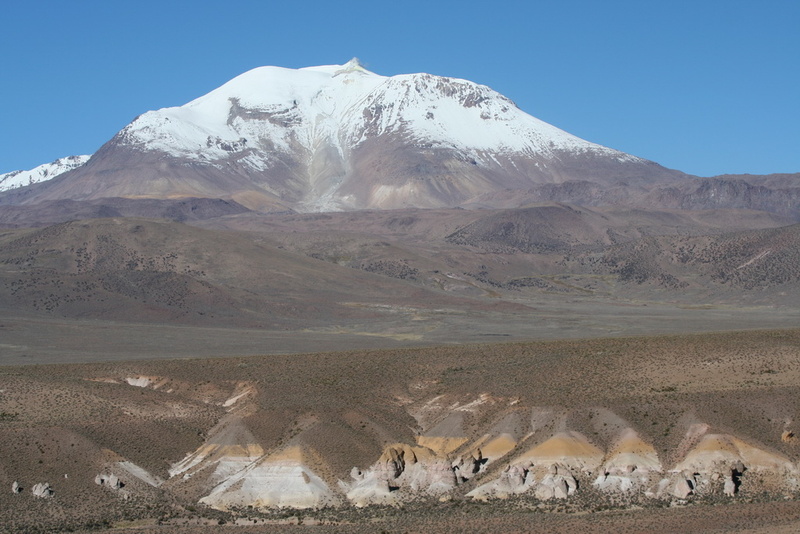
[
  {"x": 16, "y": 488},
  {"x": 469, "y": 465},
  {"x": 681, "y": 488},
  {"x": 392, "y": 462},
  {"x": 544, "y": 492},
  {"x": 368, "y": 489},
  {"x": 356, "y": 474},
  {"x": 729, "y": 487},
  {"x": 678, "y": 485},
  {"x": 511, "y": 481},
  {"x": 609, "y": 483},
  {"x": 556, "y": 484},
  {"x": 404, "y": 472},
  {"x": 109, "y": 481},
  {"x": 552, "y": 482},
  {"x": 515, "y": 477},
  {"x": 42, "y": 490}
]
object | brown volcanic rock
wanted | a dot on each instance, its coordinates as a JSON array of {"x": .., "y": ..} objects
[
  {"x": 774, "y": 193},
  {"x": 760, "y": 260},
  {"x": 390, "y": 173},
  {"x": 779, "y": 194},
  {"x": 544, "y": 229}
]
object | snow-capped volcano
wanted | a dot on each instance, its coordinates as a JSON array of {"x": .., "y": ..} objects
[
  {"x": 342, "y": 106},
  {"x": 341, "y": 137}
]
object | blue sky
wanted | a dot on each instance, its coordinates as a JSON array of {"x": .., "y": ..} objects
[{"x": 707, "y": 87}]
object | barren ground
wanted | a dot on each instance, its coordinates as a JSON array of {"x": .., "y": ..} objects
[{"x": 346, "y": 406}]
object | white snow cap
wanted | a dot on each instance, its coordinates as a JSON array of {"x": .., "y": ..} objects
[{"x": 342, "y": 106}]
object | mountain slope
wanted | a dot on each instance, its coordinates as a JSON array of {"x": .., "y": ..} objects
[{"x": 167, "y": 272}]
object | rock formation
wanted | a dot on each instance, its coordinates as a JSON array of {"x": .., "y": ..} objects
[
  {"x": 544, "y": 482},
  {"x": 109, "y": 481},
  {"x": 402, "y": 472},
  {"x": 42, "y": 490},
  {"x": 534, "y": 452},
  {"x": 279, "y": 480}
]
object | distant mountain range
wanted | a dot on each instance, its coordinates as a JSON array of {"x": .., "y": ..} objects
[
  {"x": 339, "y": 137},
  {"x": 42, "y": 173}
]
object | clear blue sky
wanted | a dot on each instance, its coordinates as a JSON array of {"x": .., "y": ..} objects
[{"x": 707, "y": 87}]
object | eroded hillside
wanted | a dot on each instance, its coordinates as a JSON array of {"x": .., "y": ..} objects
[{"x": 582, "y": 424}]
